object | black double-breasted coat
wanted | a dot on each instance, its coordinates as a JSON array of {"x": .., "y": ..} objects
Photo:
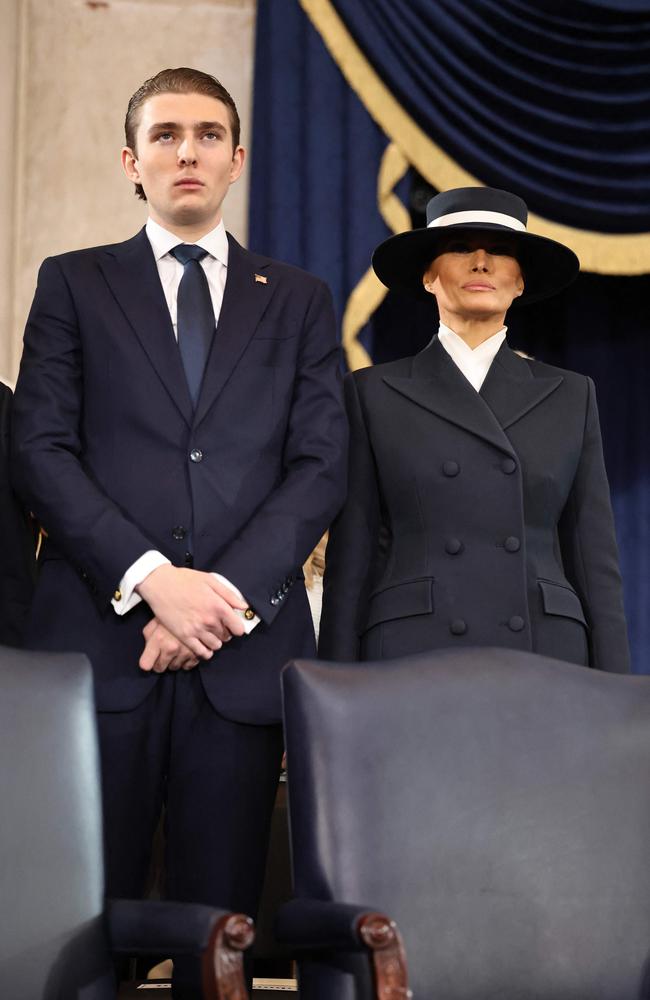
[{"x": 477, "y": 519}]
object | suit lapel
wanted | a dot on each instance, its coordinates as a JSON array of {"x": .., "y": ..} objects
[
  {"x": 511, "y": 390},
  {"x": 438, "y": 385},
  {"x": 131, "y": 272},
  {"x": 244, "y": 301}
]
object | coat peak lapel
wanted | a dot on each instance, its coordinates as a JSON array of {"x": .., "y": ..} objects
[
  {"x": 245, "y": 299},
  {"x": 438, "y": 385},
  {"x": 131, "y": 273},
  {"x": 511, "y": 390}
]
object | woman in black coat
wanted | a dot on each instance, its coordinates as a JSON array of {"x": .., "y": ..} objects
[{"x": 478, "y": 511}]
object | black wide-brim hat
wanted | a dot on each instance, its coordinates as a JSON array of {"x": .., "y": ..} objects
[{"x": 547, "y": 266}]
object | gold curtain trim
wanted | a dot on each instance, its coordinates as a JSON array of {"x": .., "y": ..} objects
[
  {"x": 369, "y": 292},
  {"x": 601, "y": 253}
]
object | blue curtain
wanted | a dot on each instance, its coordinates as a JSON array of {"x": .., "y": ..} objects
[{"x": 550, "y": 99}]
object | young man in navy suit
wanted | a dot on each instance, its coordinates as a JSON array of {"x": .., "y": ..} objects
[{"x": 179, "y": 434}]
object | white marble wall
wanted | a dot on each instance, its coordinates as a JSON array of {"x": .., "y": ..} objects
[{"x": 68, "y": 68}]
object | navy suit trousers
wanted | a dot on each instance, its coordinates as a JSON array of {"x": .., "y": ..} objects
[{"x": 175, "y": 749}]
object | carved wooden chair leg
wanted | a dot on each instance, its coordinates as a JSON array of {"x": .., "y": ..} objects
[
  {"x": 380, "y": 935},
  {"x": 223, "y": 965}
]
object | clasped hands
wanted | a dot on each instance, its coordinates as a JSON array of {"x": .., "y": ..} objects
[{"x": 194, "y": 614}]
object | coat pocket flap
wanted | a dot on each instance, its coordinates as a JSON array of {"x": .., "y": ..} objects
[
  {"x": 559, "y": 600},
  {"x": 412, "y": 598}
]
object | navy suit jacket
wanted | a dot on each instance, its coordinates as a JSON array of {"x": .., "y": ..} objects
[
  {"x": 474, "y": 519},
  {"x": 110, "y": 455}
]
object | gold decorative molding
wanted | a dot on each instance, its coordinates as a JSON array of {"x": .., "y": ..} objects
[{"x": 369, "y": 293}]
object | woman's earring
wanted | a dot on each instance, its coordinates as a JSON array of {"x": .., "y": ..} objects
[{"x": 429, "y": 286}]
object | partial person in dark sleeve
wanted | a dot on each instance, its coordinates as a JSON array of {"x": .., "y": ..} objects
[
  {"x": 16, "y": 543},
  {"x": 478, "y": 511}
]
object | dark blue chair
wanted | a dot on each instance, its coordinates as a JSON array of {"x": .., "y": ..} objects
[
  {"x": 58, "y": 937},
  {"x": 492, "y": 805}
]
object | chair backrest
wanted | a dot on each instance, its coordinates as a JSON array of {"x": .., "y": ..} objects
[
  {"x": 496, "y": 804},
  {"x": 52, "y": 937}
]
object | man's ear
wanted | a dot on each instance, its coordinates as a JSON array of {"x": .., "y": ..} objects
[
  {"x": 237, "y": 165},
  {"x": 130, "y": 164}
]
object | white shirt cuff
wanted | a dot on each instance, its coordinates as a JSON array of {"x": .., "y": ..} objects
[
  {"x": 135, "y": 574},
  {"x": 249, "y": 623}
]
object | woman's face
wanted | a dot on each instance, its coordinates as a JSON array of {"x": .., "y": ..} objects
[{"x": 475, "y": 277}]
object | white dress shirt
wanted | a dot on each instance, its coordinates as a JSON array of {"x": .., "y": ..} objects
[
  {"x": 474, "y": 364},
  {"x": 170, "y": 271}
]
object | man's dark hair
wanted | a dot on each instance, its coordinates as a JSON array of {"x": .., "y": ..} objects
[{"x": 177, "y": 81}]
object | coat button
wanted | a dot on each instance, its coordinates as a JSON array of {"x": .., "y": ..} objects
[
  {"x": 275, "y": 600},
  {"x": 512, "y": 544},
  {"x": 450, "y": 468},
  {"x": 179, "y": 533},
  {"x": 458, "y": 627},
  {"x": 516, "y": 623},
  {"x": 508, "y": 466},
  {"x": 453, "y": 546},
  {"x": 196, "y": 455}
]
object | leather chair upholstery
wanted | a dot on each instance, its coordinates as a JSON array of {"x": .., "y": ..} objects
[
  {"x": 495, "y": 804},
  {"x": 57, "y": 936}
]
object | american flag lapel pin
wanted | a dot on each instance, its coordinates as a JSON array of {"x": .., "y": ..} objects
[{"x": 262, "y": 279}]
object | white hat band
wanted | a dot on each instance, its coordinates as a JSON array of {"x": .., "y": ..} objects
[{"x": 496, "y": 218}]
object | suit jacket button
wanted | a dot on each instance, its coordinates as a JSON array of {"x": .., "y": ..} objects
[
  {"x": 453, "y": 546},
  {"x": 512, "y": 544},
  {"x": 450, "y": 468},
  {"x": 196, "y": 455},
  {"x": 508, "y": 466},
  {"x": 516, "y": 623},
  {"x": 275, "y": 600},
  {"x": 458, "y": 627},
  {"x": 179, "y": 533}
]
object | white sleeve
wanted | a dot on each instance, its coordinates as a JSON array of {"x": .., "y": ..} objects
[
  {"x": 135, "y": 574},
  {"x": 249, "y": 624}
]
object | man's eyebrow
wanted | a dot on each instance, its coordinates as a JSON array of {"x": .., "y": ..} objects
[
  {"x": 215, "y": 126},
  {"x": 157, "y": 126}
]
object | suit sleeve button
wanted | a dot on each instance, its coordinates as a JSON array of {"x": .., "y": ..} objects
[
  {"x": 450, "y": 468},
  {"x": 508, "y": 466},
  {"x": 458, "y": 627},
  {"x": 453, "y": 546},
  {"x": 274, "y": 600},
  {"x": 196, "y": 455},
  {"x": 512, "y": 544},
  {"x": 516, "y": 623}
]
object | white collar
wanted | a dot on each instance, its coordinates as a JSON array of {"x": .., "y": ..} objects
[
  {"x": 487, "y": 350},
  {"x": 162, "y": 241}
]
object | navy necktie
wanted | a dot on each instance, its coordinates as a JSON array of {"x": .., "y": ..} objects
[{"x": 195, "y": 315}]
